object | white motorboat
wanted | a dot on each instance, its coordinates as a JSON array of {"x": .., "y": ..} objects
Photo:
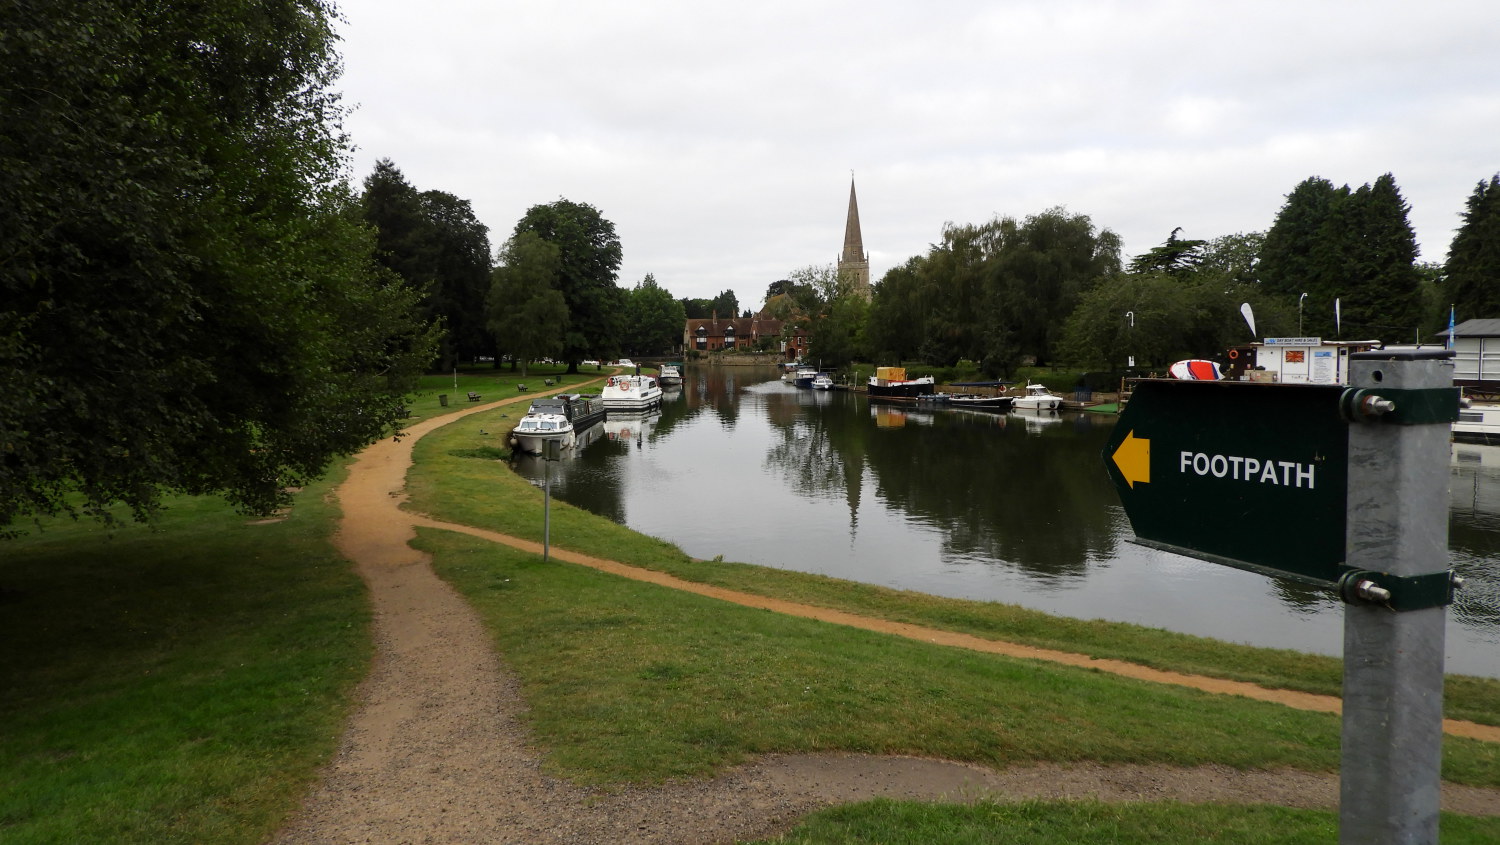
[
  {"x": 630, "y": 393},
  {"x": 563, "y": 418},
  {"x": 669, "y": 374},
  {"x": 1478, "y": 423},
  {"x": 534, "y": 430},
  {"x": 822, "y": 381},
  {"x": 1037, "y": 398}
]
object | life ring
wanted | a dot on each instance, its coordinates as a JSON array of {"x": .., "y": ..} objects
[{"x": 1233, "y": 354}]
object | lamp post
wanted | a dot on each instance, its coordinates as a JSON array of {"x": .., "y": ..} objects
[
  {"x": 1130, "y": 359},
  {"x": 1299, "y": 314}
]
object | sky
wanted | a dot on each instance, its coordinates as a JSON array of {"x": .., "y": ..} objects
[{"x": 720, "y": 139}]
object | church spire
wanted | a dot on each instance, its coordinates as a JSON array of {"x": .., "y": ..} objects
[
  {"x": 854, "y": 261},
  {"x": 854, "y": 244}
]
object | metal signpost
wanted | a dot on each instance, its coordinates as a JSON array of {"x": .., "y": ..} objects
[
  {"x": 1333, "y": 486},
  {"x": 551, "y": 451}
]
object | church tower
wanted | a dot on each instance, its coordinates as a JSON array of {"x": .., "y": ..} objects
[{"x": 854, "y": 262}]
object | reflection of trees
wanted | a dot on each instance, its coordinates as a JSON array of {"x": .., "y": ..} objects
[
  {"x": 588, "y": 478},
  {"x": 720, "y": 389},
  {"x": 805, "y": 453},
  {"x": 1039, "y": 502}
]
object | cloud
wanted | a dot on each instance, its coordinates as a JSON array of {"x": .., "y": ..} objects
[{"x": 719, "y": 139}]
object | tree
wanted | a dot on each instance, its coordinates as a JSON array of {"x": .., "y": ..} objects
[
  {"x": 1295, "y": 258},
  {"x": 655, "y": 319},
  {"x": 1353, "y": 248},
  {"x": 1382, "y": 291},
  {"x": 524, "y": 309},
  {"x": 459, "y": 255},
  {"x": 433, "y": 241},
  {"x": 1473, "y": 268},
  {"x": 726, "y": 304},
  {"x": 187, "y": 298},
  {"x": 589, "y": 252},
  {"x": 1042, "y": 268},
  {"x": 1175, "y": 257}
]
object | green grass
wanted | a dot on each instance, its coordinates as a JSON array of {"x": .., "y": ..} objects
[
  {"x": 447, "y": 483},
  {"x": 490, "y": 384},
  {"x": 1069, "y": 823},
  {"x": 179, "y": 682},
  {"x": 633, "y": 682}
]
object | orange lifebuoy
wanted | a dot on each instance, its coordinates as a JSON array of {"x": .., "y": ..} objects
[{"x": 1233, "y": 354}]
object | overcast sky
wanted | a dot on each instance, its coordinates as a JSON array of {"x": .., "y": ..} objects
[{"x": 719, "y": 137}]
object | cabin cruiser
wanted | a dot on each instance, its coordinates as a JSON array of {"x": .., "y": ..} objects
[
  {"x": 631, "y": 393},
  {"x": 1037, "y": 398},
  {"x": 822, "y": 381},
  {"x": 669, "y": 374},
  {"x": 563, "y": 418}
]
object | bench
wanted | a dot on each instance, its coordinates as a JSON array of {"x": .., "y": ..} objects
[
  {"x": 473, "y": 397},
  {"x": 548, "y": 381},
  {"x": 521, "y": 387}
]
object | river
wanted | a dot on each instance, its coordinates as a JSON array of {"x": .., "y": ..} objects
[{"x": 741, "y": 466}]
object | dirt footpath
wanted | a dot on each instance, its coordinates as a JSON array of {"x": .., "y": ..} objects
[{"x": 435, "y": 752}]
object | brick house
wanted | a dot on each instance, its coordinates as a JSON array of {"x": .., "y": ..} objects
[{"x": 716, "y": 334}]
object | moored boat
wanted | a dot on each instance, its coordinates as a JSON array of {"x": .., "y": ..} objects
[
  {"x": 631, "y": 393},
  {"x": 1037, "y": 398},
  {"x": 822, "y": 381},
  {"x": 669, "y": 374},
  {"x": 805, "y": 376},
  {"x": 1478, "y": 423},
  {"x": 562, "y": 417},
  {"x": 891, "y": 384}
]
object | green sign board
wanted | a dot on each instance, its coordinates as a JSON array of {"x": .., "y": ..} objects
[{"x": 1248, "y": 475}]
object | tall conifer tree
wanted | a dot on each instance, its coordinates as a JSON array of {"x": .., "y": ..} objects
[{"x": 1473, "y": 269}]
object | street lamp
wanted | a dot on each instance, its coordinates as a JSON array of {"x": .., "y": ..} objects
[
  {"x": 1130, "y": 359},
  {"x": 1299, "y": 314}
]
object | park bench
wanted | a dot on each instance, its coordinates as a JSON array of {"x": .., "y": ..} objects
[
  {"x": 473, "y": 397},
  {"x": 548, "y": 381},
  {"x": 521, "y": 387}
]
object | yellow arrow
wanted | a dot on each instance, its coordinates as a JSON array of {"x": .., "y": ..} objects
[{"x": 1133, "y": 457}]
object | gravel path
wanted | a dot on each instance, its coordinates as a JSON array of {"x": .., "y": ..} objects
[{"x": 435, "y": 752}]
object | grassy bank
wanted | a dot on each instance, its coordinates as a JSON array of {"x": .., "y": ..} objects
[
  {"x": 1069, "y": 823},
  {"x": 449, "y": 483},
  {"x": 173, "y": 683}
]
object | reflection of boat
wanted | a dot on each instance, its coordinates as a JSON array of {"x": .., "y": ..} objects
[
  {"x": 1037, "y": 398},
  {"x": 1478, "y": 423},
  {"x": 627, "y": 425},
  {"x": 669, "y": 374},
  {"x": 822, "y": 381},
  {"x": 1037, "y": 418},
  {"x": 562, "y": 417},
  {"x": 891, "y": 383},
  {"x": 631, "y": 393}
]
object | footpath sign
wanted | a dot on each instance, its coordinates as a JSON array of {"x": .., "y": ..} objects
[
  {"x": 1336, "y": 486},
  {"x": 1247, "y": 475}
]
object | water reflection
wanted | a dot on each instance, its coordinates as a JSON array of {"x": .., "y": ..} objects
[{"x": 1005, "y": 507}]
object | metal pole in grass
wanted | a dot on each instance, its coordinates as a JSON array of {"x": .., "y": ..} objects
[
  {"x": 1396, "y": 590},
  {"x": 551, "y": 451}
]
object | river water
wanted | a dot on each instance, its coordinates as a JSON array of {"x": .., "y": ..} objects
[{"x": 972, "y": 505}]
